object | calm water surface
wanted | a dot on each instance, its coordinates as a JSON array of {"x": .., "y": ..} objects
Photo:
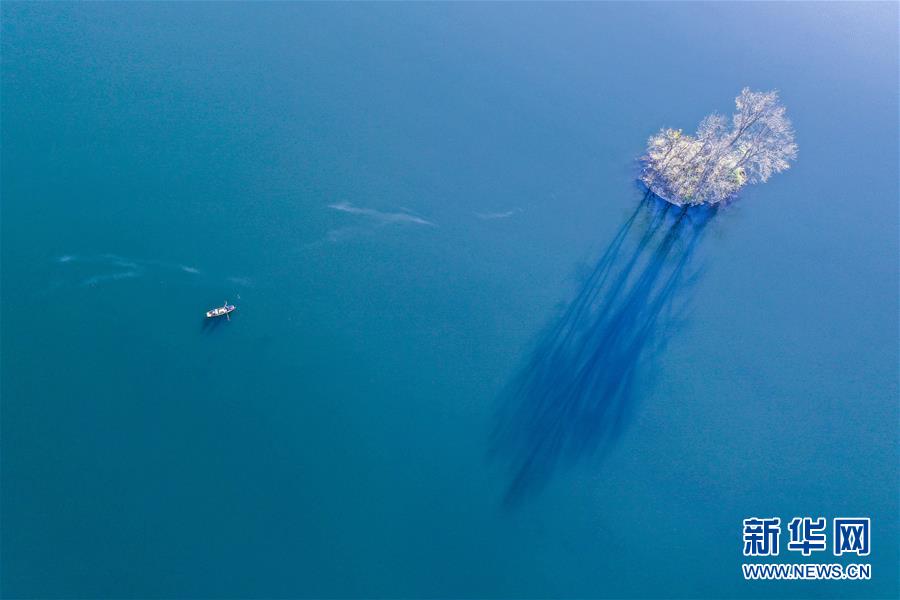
[{"x": 399, "y": 198}]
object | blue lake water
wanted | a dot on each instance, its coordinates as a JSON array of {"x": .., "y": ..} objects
[{"x": 400, "y": 199}]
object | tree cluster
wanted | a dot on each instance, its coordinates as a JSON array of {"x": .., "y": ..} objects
[{"x": 719, "y": 160}]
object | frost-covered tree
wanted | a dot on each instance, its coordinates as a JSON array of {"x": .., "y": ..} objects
[{"x": 719, "y": 160}]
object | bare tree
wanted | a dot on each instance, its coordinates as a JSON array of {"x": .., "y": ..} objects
[{"x": 718, "y": 161}]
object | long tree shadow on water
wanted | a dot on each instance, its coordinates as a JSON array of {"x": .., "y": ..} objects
[{"x": 570, "y": 399}]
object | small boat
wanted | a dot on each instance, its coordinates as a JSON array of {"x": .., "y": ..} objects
[{"x": 221, "y": 311}]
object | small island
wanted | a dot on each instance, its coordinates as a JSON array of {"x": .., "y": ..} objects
[{"x": 719, "y": 160}]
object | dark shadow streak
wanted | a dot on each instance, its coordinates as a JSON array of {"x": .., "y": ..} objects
[{"x": 572, "y": 397}]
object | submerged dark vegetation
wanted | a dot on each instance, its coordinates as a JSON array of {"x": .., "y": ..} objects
[{"x": 572, "y": 397}]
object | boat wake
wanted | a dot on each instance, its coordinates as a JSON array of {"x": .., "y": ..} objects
[
  {"x": 378, "y": 216},
  {"x": 492, "y": 216},
  {"x": 376, "y": 219},
  {"x": 119, "y": 268}
]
